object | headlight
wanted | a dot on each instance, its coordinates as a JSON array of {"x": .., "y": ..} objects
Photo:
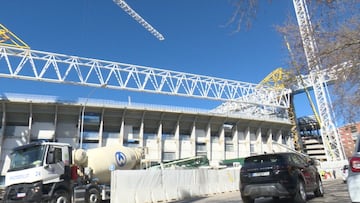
[{"x": 36, "y": 189}]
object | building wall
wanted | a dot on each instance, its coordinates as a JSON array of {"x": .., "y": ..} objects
[
  {"x": 348, "y": 135},
  {"x": 164, "y": 134}
]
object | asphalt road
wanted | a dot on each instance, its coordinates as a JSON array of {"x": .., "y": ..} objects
[{"x": 335, "y": 192}]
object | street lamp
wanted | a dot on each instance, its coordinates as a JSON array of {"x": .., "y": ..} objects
[{"x": 83, "y": 114}]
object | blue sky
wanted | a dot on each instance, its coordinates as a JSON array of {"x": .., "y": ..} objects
[{"x": 196, "y": 41}]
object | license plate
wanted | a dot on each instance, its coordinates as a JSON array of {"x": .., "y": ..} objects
[
  {"x": 266, "y": 173},
  {"x": 21, "y": 194}
]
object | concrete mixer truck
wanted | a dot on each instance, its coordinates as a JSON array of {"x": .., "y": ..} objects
[{"x": 54, "y": 172}]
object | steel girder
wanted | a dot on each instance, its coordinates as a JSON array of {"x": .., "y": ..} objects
[
  {"x": 329, "y": 76},
  {"x": 58, "y": 68}
]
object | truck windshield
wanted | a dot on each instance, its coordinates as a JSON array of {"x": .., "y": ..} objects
[{"x": 26, "y": 157}]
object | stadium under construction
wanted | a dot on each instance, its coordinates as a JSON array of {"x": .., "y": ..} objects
[
  {"x": 165, "y": 132},
  {"x": 253, "y": 118}
]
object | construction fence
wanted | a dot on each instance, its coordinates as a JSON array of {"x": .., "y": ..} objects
[{"x": 148, "y": 186}]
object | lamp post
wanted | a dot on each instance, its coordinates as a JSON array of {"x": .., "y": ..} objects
[{"x": 83, "y": 114}]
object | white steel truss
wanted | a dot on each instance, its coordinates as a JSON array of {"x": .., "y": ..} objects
[
  {"x": 239, "y": 107},
  {"x": 329, "y": 76},
  {"x": 122, "y": 4},
  {"x": 329, "y": 133},
  {"x": 58, "y": 68}
]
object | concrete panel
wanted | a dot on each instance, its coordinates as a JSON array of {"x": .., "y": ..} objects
[
  {"x": 11, "y": 142},
  {"x": 72, "y": 141},
  {"x": 109, "y": 141},
  {"x": 185, "y": 149},
  {"x": 152, "y": 149},
  {"x": 244, "y": 149},
  {"x": 17, "y": 131},
  {"x": 66, "y": 130},
  {"x": 42, "y": 130},
  {"x": 217, "y": 152},
  {"x": 241, "y": 135},
  {"x": 128, "y": 132},
  {"x": 200, "y": 133},
  {"x": 230, "y": 155},
  {"x": 201, "y": 139},
  {"x": 169, "y": 145}
]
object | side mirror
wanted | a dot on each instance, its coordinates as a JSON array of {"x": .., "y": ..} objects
[
  {"x": 311, "y": 162},
  {"x": 50, "y": 159}
]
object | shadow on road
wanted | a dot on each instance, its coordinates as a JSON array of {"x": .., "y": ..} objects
[
  {"x": 335, "y": 192},
  {"x": 195, "y": 199}
]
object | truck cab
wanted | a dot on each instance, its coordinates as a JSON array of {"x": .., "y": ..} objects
[
  {"x": 53, "y": 172},
  {"x": 39, "y": 172}
]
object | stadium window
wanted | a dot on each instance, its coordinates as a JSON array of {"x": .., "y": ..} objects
[{"x": 92, "y": 118}]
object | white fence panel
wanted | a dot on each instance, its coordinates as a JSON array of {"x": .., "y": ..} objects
[{"x": 147, "y": 186}]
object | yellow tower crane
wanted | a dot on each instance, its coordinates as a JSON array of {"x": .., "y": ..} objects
[
  {"x": 276, "y": 79},
  {"x": 8, "y": 38},
  {"x": 317, "y": 117}
]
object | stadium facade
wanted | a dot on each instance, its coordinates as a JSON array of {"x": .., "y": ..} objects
[{"x": 164, "y": 132}]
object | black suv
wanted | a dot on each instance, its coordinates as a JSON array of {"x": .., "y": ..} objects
[{"x": 279, "y": 175}]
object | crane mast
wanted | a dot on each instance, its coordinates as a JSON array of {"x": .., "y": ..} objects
[{"x": 329, "y": 133}]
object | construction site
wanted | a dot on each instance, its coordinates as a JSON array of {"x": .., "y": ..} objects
[{"x": 252, "y": 119}]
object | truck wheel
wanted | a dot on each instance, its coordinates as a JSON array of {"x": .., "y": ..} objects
[
  {"x": 93, "y": 196},
  {"x": 247, "y": 199},
  {"x": 300, "y": 194},
  {"x": 319, "y": 191},
  {"x": 61, "y": 196}
]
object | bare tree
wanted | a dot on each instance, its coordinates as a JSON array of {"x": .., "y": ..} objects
[
  {"x": 244, "y": 13},
  {"x": 336, "y": 26},
  {"x": 337, "y": 34}
]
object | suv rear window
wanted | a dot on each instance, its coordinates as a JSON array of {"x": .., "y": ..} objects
[{"x": 263, "y": 159}]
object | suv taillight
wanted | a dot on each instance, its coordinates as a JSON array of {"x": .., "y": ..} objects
[
  {"x": 278, "y": 168},
  {"x": 355, "y": 164}
]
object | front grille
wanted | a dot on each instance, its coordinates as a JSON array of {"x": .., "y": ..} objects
[{"x": 19, "y": 192}]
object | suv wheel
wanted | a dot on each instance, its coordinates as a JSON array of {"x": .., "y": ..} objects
[
  {"x": 300, "y": 194},
  {"x": 319, "y": 191},
  {"x": 247, "y": 199}
]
